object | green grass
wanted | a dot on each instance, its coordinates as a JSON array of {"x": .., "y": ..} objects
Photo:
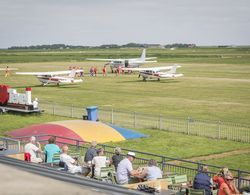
[
  {"x": 234, "y": 162},
  {"x": 207, "y": 91},
  {"x": 159, "y": 142},
  {"x": 179, "y": 145},
  {"x": 10, "y": 121},
  {"x": 215, "y": 86}
]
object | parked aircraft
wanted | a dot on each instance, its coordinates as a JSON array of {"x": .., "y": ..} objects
[
  {"x": 127, "y": 63},
  {"x": 157, "y": 72},
  {"x": 55, "y": 77}
]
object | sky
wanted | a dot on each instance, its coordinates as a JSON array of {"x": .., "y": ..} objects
[{"x": 97, "y": 22}]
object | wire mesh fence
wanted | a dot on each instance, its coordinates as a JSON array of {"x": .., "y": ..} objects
[{"x": 190, "y": 126}]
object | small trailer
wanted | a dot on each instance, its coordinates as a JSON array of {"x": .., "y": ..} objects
[{"x": 10, "y": 100}]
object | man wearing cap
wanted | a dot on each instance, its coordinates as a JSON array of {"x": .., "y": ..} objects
[
  {"x": 125, "y": 169},
  {"x": 32, "y": 149}
]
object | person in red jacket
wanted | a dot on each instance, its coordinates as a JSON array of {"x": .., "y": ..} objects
[
  {"x": 219, "y": 178},
  {"x": 104, "y": 71},
  {"x": 95, "y": 71},
  {"x": 228, "y": 186}
]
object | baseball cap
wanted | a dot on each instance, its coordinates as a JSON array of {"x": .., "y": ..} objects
[{"x": 131, "y": 154}]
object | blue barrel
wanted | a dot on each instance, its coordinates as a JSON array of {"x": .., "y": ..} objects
[{"x": 92, "y": 113}]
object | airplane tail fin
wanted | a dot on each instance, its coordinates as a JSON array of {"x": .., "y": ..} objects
[
  {"x": 173, "y": 70},
  {"x": 72, "y": 73},
  {"x": 143, "y": 55}
]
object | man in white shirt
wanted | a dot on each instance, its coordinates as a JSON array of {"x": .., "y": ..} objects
[
  {"x": 32, "y": 149},
  {"x": 125, "y": 169},
  {"x": 70, "y": 162}
]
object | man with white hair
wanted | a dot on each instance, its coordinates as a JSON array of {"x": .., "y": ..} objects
[
  {"x": 125, "y": 169},
  {"x": 32, "y": 149},
  {"x": 71, "y": 163}
]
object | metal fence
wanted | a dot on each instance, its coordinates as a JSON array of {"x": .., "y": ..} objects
[
  {"x": 168, "y": 165},
  {"x": 190, "y": 126},
  {"x": 9, "y": 144}
]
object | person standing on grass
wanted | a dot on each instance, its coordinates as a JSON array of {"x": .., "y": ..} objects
[
  {"x": 81, "y": 72},
  {"x": 95, "y": 71},
  {"x": 104, "y": 71},
  {"x": 7, "y": 72}
]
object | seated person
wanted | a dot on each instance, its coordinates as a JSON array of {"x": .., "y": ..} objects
[
  {"x": 90, "y": 154},
  {"x": 218, "y": 179},
  {"x": 152, "y": 172},
  {"x": 99, "y": 161},
  {"x": 203, "y": 181},
  {"x": 32, "y": 149},
  {"x": 50, "y": 149},
  {"x": 125, "y": 170},
  {"x": 116, "y": 159},
  {"x": 71, "y": 163},
  {"x": 228, "y": 186}
]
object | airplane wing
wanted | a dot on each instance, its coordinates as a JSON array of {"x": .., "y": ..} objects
[
  {"x": 46, "y": 73},
  {"x": 151, "y": 68},
  {"x": 3, "y": 69},
  {"x": 98, "y": 59}
]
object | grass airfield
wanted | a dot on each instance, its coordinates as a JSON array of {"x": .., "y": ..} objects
[
  {"x": 207, "y": 91},
  {"x": 215, "y": 86}
]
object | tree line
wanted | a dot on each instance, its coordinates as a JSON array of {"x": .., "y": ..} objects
[{"x": 129, "y": 45}]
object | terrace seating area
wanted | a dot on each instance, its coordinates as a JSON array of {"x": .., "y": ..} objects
[{"x": 176, "y": 179}]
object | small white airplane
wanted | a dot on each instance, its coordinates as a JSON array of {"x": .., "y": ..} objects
[
  {"x": 156, "y": 72},
  {"x": 54, "y": 77},
  {"x": 127, "y": 63}
]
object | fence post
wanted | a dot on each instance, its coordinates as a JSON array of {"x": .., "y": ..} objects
[
  {"x": 19, "y": 146},
  {"x": 219, "y": 126},
  {"x": 198, "y": 167},
  {"x": 239, "y": 179},
  {"x": 112, "y": 116},
  {"x": 188, "y": 119},
  {"x": 163, "y": 163},
  {"x": 77, "y": 145},
  {"x": 71, "y": 113},
  {"x": 134, "y": 119},
  {"x": 160, "y": 122},
  {"x": 6, "y": 144},
  {"x": 53, "y": 109}
]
